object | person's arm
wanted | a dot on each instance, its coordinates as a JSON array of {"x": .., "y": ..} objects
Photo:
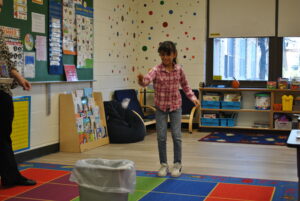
[
  {"x": 147, "y": 79},
  {"x": 187, "y": 89},
  {"x": 20, "y": 79}
]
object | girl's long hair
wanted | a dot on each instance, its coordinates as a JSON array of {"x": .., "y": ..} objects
[{"x": 168, "y": 47}]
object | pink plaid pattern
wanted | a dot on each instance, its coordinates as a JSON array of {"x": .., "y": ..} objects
[{"x": 166, "y": 85}]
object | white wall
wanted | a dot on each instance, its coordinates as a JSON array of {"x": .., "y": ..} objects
[{"x": 119, "y": 38}]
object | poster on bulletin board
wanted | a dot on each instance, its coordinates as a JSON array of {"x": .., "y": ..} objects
[{"x": 21, "y": 125}]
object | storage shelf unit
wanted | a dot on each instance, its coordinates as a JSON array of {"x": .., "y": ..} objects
[{"x": 275, "y": 97}]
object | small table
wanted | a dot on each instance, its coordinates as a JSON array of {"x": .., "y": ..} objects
[{"x": 293, "y": 141}]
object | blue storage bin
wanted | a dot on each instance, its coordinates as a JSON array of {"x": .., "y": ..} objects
[
  {"x": 231, "y": 105},
  {"x": 209, "y": 122},
  {"x": 223, "y": 121},
  {"x": 230, "y": 122},
  {"x": 210, "y": 104}
]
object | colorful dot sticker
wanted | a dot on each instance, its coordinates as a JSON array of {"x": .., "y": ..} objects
[
  {"x": 162, "y": 2},
  {"x": 165, "y": 24},
  {"x": 144, "y": 48}
]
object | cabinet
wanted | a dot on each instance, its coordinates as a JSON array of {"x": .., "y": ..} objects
[
  {"x": 68, "y": 131},
  {"x": 247, "y": 114}
]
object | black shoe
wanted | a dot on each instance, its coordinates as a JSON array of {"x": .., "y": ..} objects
[
  {"x": 25, "y": 182},
  {"x": 21, "y": 182}
]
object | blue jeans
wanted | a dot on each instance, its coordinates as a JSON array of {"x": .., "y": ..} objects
[{"x": 161, "y": 129}]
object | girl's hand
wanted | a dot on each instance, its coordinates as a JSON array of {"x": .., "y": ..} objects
[
  {"x": 196, "y": 102},
  {"x": 140, "y": 78}
]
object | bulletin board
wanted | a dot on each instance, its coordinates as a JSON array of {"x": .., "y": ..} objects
[
  {"x": 7, "y": 12},
  {"x": 21, "y": 125}
]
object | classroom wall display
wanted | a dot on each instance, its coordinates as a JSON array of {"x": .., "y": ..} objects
[
  {"x": 85, "y": 36},
  {"x": 20, "y": 9},
  {"x": 55, "y": 38},
  {"x": 21, "y": 125},
  {"x": 69, "y": 28},
  {"x": 37, "y": 25}
]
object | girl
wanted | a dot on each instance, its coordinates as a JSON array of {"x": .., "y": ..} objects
[{"x": 166, "y": 78}]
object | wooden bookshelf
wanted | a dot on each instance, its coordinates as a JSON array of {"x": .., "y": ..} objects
[{"x": 69, "y": 138}]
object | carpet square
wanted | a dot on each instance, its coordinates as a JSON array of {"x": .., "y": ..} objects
[
  {"x": 145, "y": 185},
  {"x": 16, "y": 190},
  {"x": 64, "y": 180},
  {"x": 243, "y": 192},
  {"x": 153, "y": 196},
  {"x": 185, "y": 187},
  {"x": 21, "y": 199},
  {"x": 3, "y": 197},
  {"x": 43, "y": 175},
  {"x": 52, "y": 192}
]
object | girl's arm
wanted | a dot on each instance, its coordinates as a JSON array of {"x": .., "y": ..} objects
[
  {"x": 187, "y": 89},
  {"x": 148, "y": 78}
]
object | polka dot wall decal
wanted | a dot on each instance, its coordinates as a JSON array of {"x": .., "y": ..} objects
[
  {"x": 194, "y": 38},
  {"x": 151, "y": 28},
  {"x": 145, "y": 5},
  {"x": 149, "y": 38},
  {"x": 194, "y": 13},
  {"x": 144, "y": 48},
  {"x": 167, "y": 35},
  {"x": 117, "y": 33},
  {"x": 142, "y": 21},
  {"x": 171, "y": 12},
  {"x": 185, "y": 32},
  {"x": 146, "y": 58},
  {"x": 181, "y": 22},
  {"x": 162, "y": 2},
  {"x": 122, "y": 18},
  {"x": 193, "y": 57},
  {"x": 150, "y": 12},
  {"x": 165, "y": 24}
]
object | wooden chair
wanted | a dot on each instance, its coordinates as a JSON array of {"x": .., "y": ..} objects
[
  {"x": 188, "y": 109},
  {"x": 134, "y": 105}
]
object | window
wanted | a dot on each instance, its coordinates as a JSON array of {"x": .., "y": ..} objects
[
  {"x": 241, "y": 58},
  {"x": 291, "y": 57}
]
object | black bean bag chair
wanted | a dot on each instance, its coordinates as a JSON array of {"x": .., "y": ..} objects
[{"x": 123, "y": 125}]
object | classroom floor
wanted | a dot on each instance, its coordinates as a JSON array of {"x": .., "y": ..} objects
[{"x": 205, "y": 158}]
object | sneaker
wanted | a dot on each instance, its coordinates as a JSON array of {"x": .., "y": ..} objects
[
  {"x": 163, "y": 170},
  {"x": 176, "y": 172}
]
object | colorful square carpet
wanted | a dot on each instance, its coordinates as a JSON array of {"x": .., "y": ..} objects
[
  {"x": 54, "y": 185},
  {"x": 267, "y": 139}
]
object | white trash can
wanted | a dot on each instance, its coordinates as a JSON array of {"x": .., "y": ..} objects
[{"x": 104, "y": 180}]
